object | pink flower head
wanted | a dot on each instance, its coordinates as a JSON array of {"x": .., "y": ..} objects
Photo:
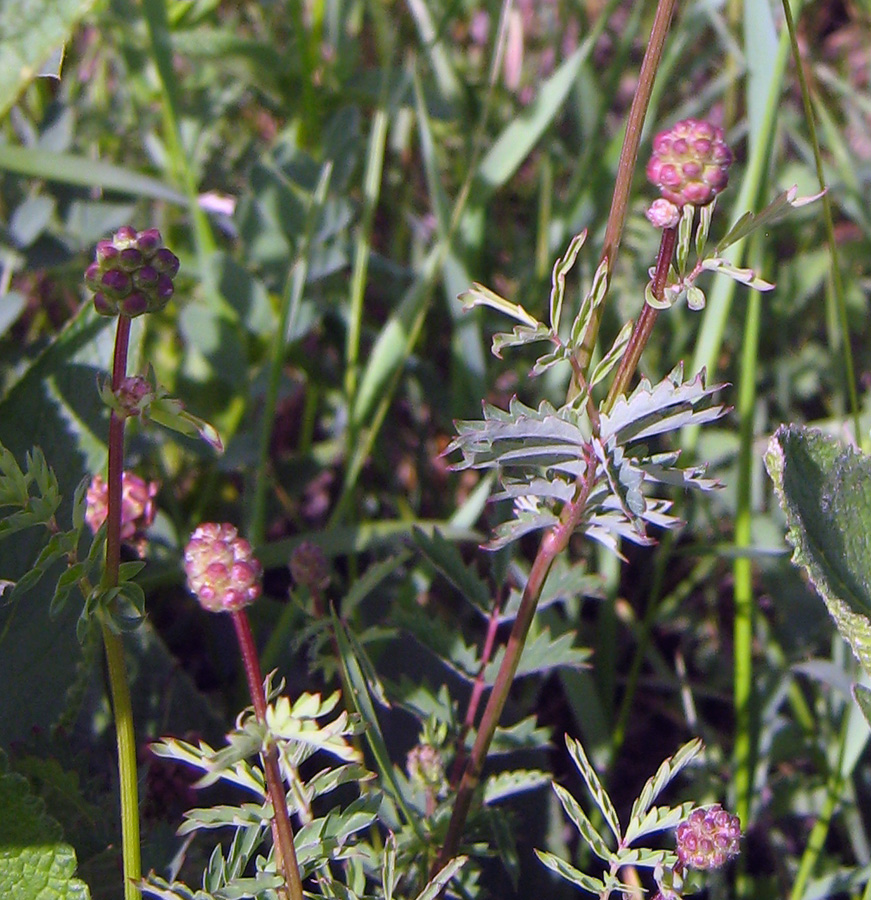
[
  {"x": 137, "y": 505},
  {"x": 221, "y": 569}
]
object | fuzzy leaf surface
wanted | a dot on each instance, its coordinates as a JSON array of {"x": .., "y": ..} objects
[{"x": 824, "y": 489}]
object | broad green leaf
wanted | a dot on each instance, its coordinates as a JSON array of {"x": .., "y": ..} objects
[
  {"x": 862, "y": 696},
  {"x": 53, "y": 405},
  {"x": 31, "y": 34},
  {"x": 66, "y": 168},
  {"x": 35, "y": 863},
  {"x": 824, "y": 489}
]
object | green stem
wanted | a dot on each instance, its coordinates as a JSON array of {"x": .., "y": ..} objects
[
  {"x": 161, "y": 51},
  {"x": 819, "y": 833},
  {"x": 127, "y": 775},
  {"x": 626, "y": 167},
  {"x": 836, "y": 283},
  {"x": 285, "y": 851},
  {"x": 744, "y": 753},
  {"x": 118, "y": 682}
]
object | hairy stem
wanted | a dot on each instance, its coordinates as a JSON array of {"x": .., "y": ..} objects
[{"x": 285, "y": 852}]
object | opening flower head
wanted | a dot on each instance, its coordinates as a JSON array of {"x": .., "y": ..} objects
[
  {"x": 137, "y": 506},
  {"x": 708, "y": 838},
  {"x": 221, "y": 569}
]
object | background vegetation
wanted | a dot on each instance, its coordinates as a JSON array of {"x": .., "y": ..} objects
[{"x": 332, "y": 173}]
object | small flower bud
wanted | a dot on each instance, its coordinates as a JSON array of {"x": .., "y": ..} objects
[
  {"x": 124, "y": 237},
  {"x": 135, "y": 395},
  {"x": 92, "y": 276},
  {"x": 425, "y": 767},
  {"x": 663, "y": 214},
  {"x": 166, "y": 262},
  {"x": 133, "y": 304},
  {"x": 148, "y": 242},
  {"x": 308, "y": 566},
  {"x": 115, "y": 284},
  {"x": 107, "y": 252},
  {"x": 708, "y": 838},
  {"x": 130, "y": 259},
  {"x": 146, "y": 278},
  {"x": 690, "y": 162},
  {"x": 221, "y": 570}
]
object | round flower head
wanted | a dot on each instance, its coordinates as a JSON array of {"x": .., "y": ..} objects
[
  {"x": 132, "y": 274},
  {"x": 221, "y": 569},
  {"x": 690, "y": 162},
  {"x": 137, "y": 505},
  {"x": 308, "y": 566},
  {"x": 708, "y": 837}
]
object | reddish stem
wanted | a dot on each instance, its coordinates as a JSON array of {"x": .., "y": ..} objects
[
  {"x": 285, "y": 852},
  {"x": 628, "y": 154},
  {"x": 644, "y": 325},
  {"x": 116, "y": 458},
  {"x": 477, "y": 693},
  {"x": 552, "y": 544}
]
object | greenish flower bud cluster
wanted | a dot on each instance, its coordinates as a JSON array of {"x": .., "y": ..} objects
[{"x": 132, "y": 274}]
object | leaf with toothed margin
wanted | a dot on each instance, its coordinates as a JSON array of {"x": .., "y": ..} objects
[{"x": 657, "y": 409}]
